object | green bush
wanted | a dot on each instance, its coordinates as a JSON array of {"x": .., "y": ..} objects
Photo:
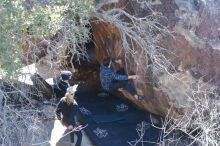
[{"x": 40, "y": 19}]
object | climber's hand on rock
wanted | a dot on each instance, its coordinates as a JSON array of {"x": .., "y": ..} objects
[
  {"x": 119, "y": 61},
  {"x": 70, "y": 127},
  {"x": 133, "y": 77}
]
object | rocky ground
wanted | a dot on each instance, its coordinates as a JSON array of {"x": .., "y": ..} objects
[{"x": 52, "y": 127}]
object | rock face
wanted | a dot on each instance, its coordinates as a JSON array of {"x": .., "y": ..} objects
[
  {"x": 197, "y": 38},
  {"x": 33, "y": 50},
  {"x": 196, "y": 45}
]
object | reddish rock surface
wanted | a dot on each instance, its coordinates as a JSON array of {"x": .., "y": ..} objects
[
  {"x": 33, "y": 50},
  {"x": 196, "y": 44}
]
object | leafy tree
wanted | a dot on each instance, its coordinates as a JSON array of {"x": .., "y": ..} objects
[
  {"x": 42, "y": 19},
  {"x": 60, "y": 23}
]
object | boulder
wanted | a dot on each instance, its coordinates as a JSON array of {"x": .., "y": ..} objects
[{"x": 195, "y": 49}]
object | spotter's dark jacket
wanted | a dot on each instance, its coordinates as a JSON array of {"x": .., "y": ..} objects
[{"x": 66, "y": 112}]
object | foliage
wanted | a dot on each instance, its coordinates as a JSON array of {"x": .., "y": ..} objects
[
  {"x": 61, "y": 24},
  {"x": 200, "y": 121},
  {"x": 42, "y": 19}
]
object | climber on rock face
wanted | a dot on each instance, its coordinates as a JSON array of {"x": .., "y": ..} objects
[{"x": 111, "y": 80}]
